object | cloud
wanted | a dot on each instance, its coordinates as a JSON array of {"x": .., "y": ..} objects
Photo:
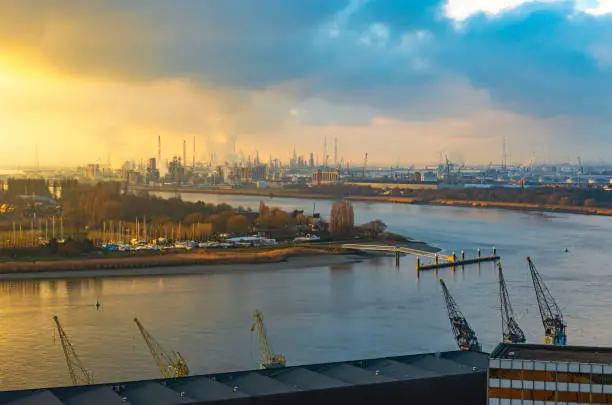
[
  {"x": 260, "y": 69},
  {"x": 462, "y": 9}
]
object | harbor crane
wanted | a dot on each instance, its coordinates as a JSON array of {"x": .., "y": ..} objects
[
  {"x": 78, "y": 374},
  {"x": 268, "y": 359},
  {"x": 552, "y": 318},
  {"x": 580, "y": 171},
  {"x": 464, "y": 335},
  {"x": 365, "y": 164},
  {"x": 170, "y": 365},
  {"x": 511, "y": 331}
]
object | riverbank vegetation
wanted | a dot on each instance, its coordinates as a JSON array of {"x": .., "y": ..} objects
[{"x": 88, "y": 217}]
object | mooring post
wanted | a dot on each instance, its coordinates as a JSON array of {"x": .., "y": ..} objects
[
  {"x": 397, "y": 257},
  {"x": 478, "y": 253},
  {"x": 494, "y": 252},
  {"x": 462, "y": 255},
  {"x": 418, "y": 263},
  {"x": 436, "y": 259},
  {"x": 454, "y": 257}
]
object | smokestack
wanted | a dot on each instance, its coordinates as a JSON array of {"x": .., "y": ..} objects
[
  {"x": 159, "y": 149},
  {"x": 194, "y": 154},
  {"x": 184, "y": 153},
  {"x": 336, "y": 152},
  {"x": 325, "y": 152}
]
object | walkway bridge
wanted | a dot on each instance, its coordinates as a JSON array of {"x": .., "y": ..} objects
[{"x": 390, "y": 249}]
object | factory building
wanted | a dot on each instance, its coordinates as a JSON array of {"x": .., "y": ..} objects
[
  {"x": 321, "y": 177},
  {"x": 529, "y": 374}
]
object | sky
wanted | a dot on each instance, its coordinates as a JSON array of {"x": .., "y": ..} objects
[{"x": 402, "y": 80}]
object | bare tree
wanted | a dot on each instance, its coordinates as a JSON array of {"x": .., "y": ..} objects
[
  {"x": 264, "y": 210},
  {"x": 342, "y": 217}
]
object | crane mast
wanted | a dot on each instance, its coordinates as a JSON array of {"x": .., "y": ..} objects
[
  {"x": 464, "y": 335},
  {"x": 268, "y": 359},
  {"x": 511, "y": 331},
  {"x": 552, "y": 318},
  {"x": 170, "y": 365},
  {"x": 78, "y": 374}
]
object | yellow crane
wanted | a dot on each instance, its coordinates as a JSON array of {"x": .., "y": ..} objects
[
  {"x": 78, "y": 374},
  {"x": 268, "y": 359},
  {"x": 170, "y": 364}
]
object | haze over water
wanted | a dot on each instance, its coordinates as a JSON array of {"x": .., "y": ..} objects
[{"x": 322, "y": 314}]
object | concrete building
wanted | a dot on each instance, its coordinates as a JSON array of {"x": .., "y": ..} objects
[
  {"x": 528, "y": 374},
  {"x": 253, "y": 173},
  {"x": 436, "y": 378},
  {"x": 92, "y": 171},
  {"x": 321, "y": 177}
]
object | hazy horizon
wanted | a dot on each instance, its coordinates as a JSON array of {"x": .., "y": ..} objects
[{"x": 401, "y": 80}]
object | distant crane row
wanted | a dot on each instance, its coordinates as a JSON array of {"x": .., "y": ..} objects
[
  {"x": 552, "y": 318},
  {"x": 170, "y": 364}
]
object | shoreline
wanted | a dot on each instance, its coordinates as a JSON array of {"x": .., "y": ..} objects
[
  {"x": 524, "y": 207},
  {"x": 173, "y": 260},
  {"x": 196, "y": 262},
  {"x": 294, "y": 262}
]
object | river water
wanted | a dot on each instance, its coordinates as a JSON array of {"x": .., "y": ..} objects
[{"x": 322, "y": 314}]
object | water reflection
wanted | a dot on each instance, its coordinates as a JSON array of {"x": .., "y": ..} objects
[{"x": 20, "y": 288}]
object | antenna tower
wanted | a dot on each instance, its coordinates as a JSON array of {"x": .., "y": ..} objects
[{"x": 184, "y": 153}]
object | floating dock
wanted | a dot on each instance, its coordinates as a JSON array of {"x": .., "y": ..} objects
[
  {"x": 446, "y": 264},
  {"x": 441, "y": 262}
]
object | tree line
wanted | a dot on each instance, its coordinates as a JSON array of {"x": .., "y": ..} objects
[{"x": 564, "y": 196}]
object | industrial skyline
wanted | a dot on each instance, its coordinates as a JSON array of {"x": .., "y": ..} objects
[{"x": 312, "y": 155}]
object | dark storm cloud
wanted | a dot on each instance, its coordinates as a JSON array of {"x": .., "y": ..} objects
[
  {"x": 537, "y": 59},
  {"x": 392, "y": 55}
]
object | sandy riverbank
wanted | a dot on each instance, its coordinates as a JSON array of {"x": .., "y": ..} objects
[
  {"x": 295, "y": 262},
  {"x": 398, "y": 200},
  {"x": 196, "y": 258}
]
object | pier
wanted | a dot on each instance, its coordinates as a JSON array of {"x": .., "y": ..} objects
[
  {"x": 453, "y": 260},
  {"x": 439, "y": 261}
]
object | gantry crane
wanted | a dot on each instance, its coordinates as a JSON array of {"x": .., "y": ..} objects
[
  {"x": 171, "y": 364},
  {"x": 552, "y": 318},
  {"x": 268, "y": 359},
  {"x": 464, "y": 335},
  {"x": 511, "y": 331},
  {"x": 78, "y": 374}
]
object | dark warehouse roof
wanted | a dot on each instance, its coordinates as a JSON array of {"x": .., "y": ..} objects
[
  {"x": 217, "y": 387},
  {"x": 573, "y": 354}
]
